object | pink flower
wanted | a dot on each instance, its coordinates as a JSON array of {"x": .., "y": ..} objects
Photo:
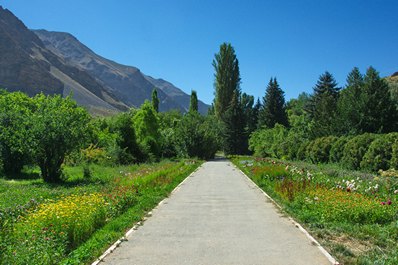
[{"x": 389, "y": 202}]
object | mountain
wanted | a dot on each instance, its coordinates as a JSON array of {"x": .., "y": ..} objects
[
  {"x": 127, "y": 83},
  {"x": 176, "y": 94},
  {"x": 27, "y": 65},
  {"x": 57, "y": 63}
]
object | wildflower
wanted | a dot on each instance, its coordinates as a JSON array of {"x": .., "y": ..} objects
[{"x": 389, "y": 202}]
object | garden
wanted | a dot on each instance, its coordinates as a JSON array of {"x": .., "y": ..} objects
[{"x": 353, "y": 214}]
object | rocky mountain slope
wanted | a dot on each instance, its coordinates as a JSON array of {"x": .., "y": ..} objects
[
  {"x": 127, "y": 83},
  {"x": 57, "y": 63},
  {"x": 27, "y": 65}
]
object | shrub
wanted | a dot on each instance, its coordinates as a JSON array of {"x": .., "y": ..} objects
[
  {"x": 337, "y": 149},
  {"x": 320, "y": 149},
  {"x": 301, "y": 151},
  {"x": 379, "y": 154},
  {"x": 355, "y": 149},
  {"x": 394, "y": 155},
  {"x": 270, "y": 142}
]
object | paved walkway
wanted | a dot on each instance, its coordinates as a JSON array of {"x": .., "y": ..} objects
[{"x": 217, "y": 217}]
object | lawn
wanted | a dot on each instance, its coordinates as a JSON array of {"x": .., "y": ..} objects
[
  {"x": 354, "y": 215},
  {"x": 74, "y": 222}
]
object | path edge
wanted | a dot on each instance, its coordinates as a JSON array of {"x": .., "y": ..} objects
[
  {"x": 331, "y": 259},
  {"x": 138, "y": 224}
]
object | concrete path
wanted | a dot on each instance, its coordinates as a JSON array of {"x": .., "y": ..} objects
[{"x": 217, "y": 217}]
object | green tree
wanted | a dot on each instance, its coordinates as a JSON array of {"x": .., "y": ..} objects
[
  {"x": 59, "y": 127},
  {"x": 227, "y": 78},
  {"x": 146, "y": 125},
  {"x": 234, "y": 128},
  {"x": 127, "y": 140},
  {"x": 350, "y": 104},
  {"x": 155, "y": 100},
  {"x": 16, "y": 141},
  {"x": 379, "y": 114},
  {"x": 323, "y": 106},
  {"x": 273, "y": 110},
  {"x": 196, "y": 136},
  {"x": 193, "y": 104}
]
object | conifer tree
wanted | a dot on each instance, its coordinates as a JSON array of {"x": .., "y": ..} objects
[
  {"x": 378, "y": 110},
  {"x": 273, "y": 110},
  {"x": 323, "y": 105},
  {"x": 350, "y": 104}
]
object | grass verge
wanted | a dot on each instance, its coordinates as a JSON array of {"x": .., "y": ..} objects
[{"x": 354, "y": 215}]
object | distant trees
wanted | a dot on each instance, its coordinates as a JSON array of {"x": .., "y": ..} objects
[
  {"x": 193, "y": 104},
  {"x": 155, "y": 100},
  {"x": 273, "y": 110}
]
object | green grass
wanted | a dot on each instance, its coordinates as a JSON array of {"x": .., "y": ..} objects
[
  {"x": 28, "y": 229},
  {"x": 342, "y": 209}
]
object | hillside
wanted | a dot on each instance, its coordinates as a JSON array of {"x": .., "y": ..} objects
[
  {"x": 127, "y": 83},
  {"x": 27, "y": 65}
]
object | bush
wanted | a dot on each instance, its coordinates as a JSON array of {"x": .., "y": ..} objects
[
  {"x": 319, "y": 150},
  {"x": 301, "y": 151},
  {"x": 394, "y": 155},
  {"x": 355, "y": 149},
  {"x": 337, "y": 149},
  {"x": 379, "y": 154},
  {"x": 270, "y": 142}
]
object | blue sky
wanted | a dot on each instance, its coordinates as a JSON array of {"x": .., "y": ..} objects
[{"x": 294, "y": 41}]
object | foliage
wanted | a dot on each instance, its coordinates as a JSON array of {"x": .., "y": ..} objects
[
  {"x": 16, "y": 141},
  {"x": 227, "y": 78},
  {"x": 234, "y": 128},
  {"x": 59, "y": 128},
  {"x": 155, "y": 100},
  {"x": 379, "y": 154},
  {"x": 193, "y": 104},
  {"x": 319, "y": 150},
  {"x": 196, "y": 136},
  {"x": 350, "y": 104},
  {"x": 146, "y": 124},
  {"x": 269, "y": 142},
  {"x": 273, "y": 109},
  {"x": 337, "y": 149},
  {"x": 323, "y": 105},
  {"x": 355, "y": 149},
  {"x": 379, "y": 114}
]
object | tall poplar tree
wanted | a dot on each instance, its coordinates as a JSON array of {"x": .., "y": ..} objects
[
  {"x": 273, "y": 110},
  {"x": 193, "y": 104},
  {"x": 155, "y": 100},
  {"x": 227, "y": 78}
]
